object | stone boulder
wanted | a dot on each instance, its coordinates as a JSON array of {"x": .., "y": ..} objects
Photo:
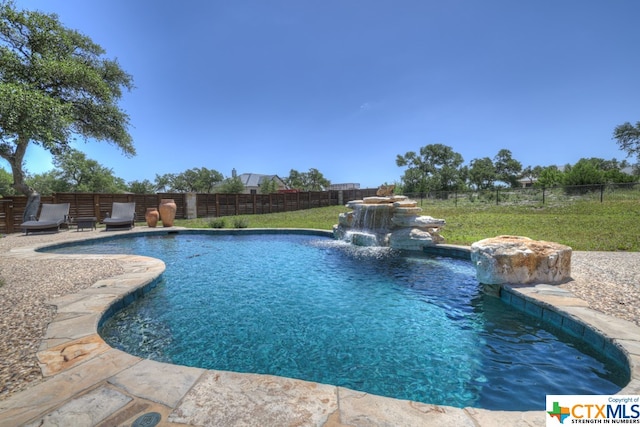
[
  {"x": 375, "y": 200},
  {"x": 520, "y": 260},
  {"x": 385, "y": 190},
  {"x": 423, "y": 221},
  {"x": 346, "y": 219},
  {"x": 410, "y": 239}
]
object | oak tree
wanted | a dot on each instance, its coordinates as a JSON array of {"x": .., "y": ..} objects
[
  {"x": 435, "y": 168},
  {"x": 628, "y": 138},
  {"x": 55, "y": 85}
]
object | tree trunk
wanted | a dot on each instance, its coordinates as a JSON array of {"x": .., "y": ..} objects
[
  {"x": 15, "y": 160},
  {"x": 31, "y": 210}
]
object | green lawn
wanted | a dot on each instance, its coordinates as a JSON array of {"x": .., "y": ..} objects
[{"x": 584, "y": 225}]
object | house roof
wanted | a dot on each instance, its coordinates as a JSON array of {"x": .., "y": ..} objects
[
  {"x": 628, "y": 170},
  {"x": 256, "y": 179}
]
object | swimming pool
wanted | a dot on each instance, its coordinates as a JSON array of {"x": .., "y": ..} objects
[{"x": 411, "y": 327}]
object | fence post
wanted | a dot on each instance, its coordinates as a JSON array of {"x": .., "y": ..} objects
[
  {"x": 96, "y": 206},
  {"x": 254, "y": 200},
  {"x": 601, "y": 192},
  {"x": 543, "y": 193},
  {"x": 8, "y": 215},
  {"x": 191, "y": 206},
  {"x": 497, "y": 196}
]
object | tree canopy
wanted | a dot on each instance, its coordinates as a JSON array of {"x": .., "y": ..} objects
[
  {"x": 268, "y": 186},
  {"x": 55, "y": 85},
  {"x": 313, "y": 180},
  {"x": 508, "y": 170},
  {"x": 482, "y": 173},
  {"x": 80, "y": 174},
  {"x": 231, "y": 185},
  {"x": 197, "y": 180},
  {"x": 628, "y": 138},
  {"x": 435, "y": 168}
]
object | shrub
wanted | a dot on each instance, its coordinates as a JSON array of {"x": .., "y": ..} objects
[
  {"x": 240, "y": 223},
  {"x": 217, "y": 223}
]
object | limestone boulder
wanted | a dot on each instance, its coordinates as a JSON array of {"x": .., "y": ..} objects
[
  {"x": 397, "y": 198},
  {"x": 352, "y": 203},
  {"x": 423, "y": 221},
  {"x": 520, "y": 260},
  {"x": 410, "y": 239},
  {"x": 346, "y": 219},
  {"x": 376, "y": 200},
  {"x": 364, "y": 239},
  {"x": 407, "y": 211},
  {"x": 405, "y": 204},
  {"x": 435, "y": 235},
  {"x": 385, "y": 190}
]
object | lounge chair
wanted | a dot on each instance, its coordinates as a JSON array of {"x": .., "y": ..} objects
[
  {"x": 122, "y": 216},
  {"x": 52, "y": 216}
]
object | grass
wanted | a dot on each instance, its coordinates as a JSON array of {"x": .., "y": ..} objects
[
  {"x": 318, "y": 218},
  {"x": 585, "y": 225}
]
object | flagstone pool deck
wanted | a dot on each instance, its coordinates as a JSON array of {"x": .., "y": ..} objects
[{"x": 88, "y": 383}]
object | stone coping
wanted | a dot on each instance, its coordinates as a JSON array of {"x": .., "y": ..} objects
[{"x": 90, "y": 383}]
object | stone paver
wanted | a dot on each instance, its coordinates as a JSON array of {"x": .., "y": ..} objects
[
  {"x": 156, "y": 381},
  {"x": 366, "y": 410},
  {"x": 65, "y": 386},
  {"x": 87, "y": 410},
  {"x": 228, "y": 398}
]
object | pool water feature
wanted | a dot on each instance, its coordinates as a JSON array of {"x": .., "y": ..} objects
[{"x": 370, "y": 319}]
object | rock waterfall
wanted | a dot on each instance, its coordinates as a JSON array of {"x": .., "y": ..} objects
[{"x": 392, "y": 221}]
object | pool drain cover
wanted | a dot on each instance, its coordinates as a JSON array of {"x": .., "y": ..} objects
[{"x": 147, "y": 420}]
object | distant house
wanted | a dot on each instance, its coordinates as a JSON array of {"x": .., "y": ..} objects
[
  {"x": 253, "y": 181},
  {"x": 629, "y": 170},
  {"x": 346, "y": 186},
  {"x": 527, "y": 182}
]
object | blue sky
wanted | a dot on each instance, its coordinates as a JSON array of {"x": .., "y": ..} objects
[{"x": 344, "y": 86}]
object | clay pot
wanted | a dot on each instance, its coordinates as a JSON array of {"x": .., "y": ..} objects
[
  {"x": 167, "y": 212},
  {"x": 152, "y": 216}
]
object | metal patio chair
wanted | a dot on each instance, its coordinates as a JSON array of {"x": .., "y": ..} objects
[
  {"x": 122, "y": 216},
  {"x": 52, "y": 216}
]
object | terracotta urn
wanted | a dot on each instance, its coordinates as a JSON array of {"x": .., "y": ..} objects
[
  {"x": 152, "y": 216},
  {"x": 167, "y": 212}
]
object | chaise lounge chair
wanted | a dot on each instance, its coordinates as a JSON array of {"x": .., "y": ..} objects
[
  {"x": 122, "y": 216},
  {"x": 52, "y": 216}
]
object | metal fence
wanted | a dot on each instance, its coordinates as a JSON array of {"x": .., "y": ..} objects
[{"x": 532, "y": 195}]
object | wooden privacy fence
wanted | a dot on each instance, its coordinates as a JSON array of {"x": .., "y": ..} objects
[
  {"x": 189, "y": 205},
  {"x": 214, "y": 205}
]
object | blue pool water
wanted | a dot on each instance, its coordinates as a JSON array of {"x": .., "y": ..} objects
[{"x": 405, "y": 326}]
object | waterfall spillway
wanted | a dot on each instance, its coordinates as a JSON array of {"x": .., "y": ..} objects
[{"x": 372, "y": 217}]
